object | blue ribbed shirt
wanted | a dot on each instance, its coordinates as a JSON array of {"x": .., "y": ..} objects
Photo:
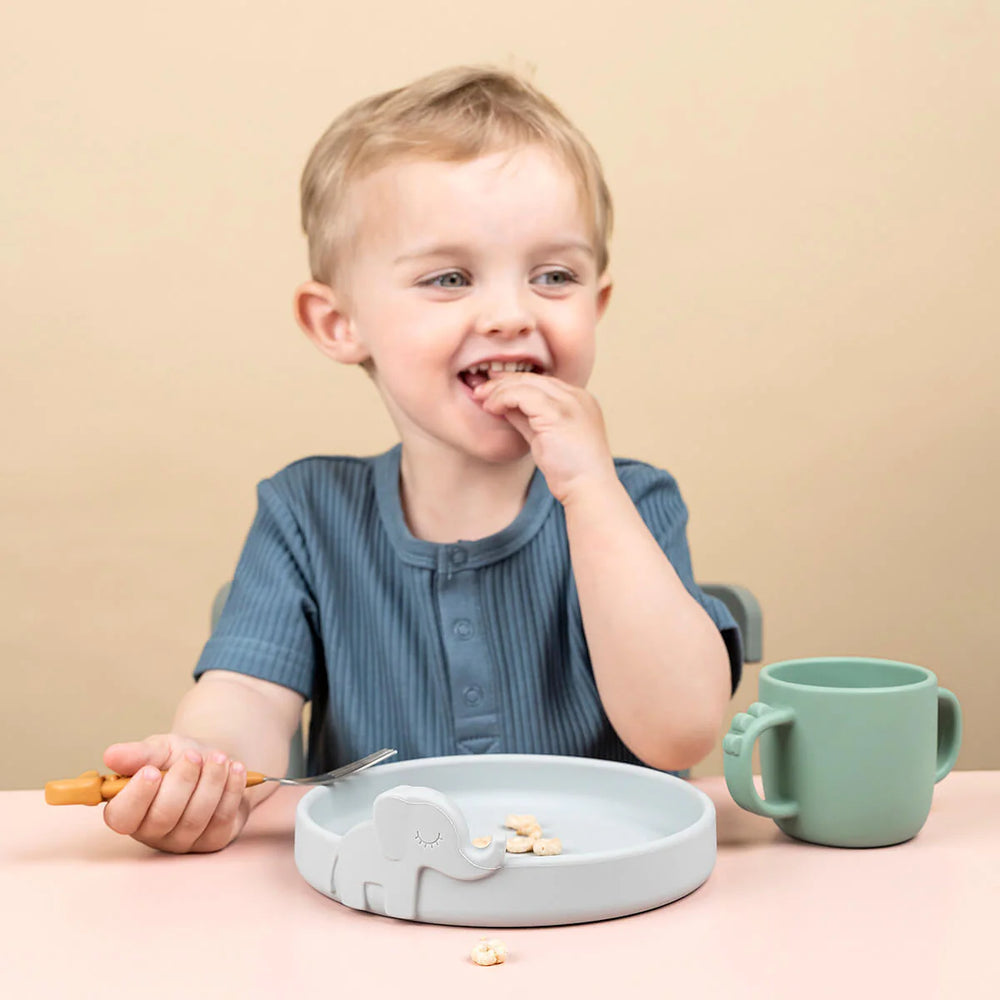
[{"x": 434, "y": 649}]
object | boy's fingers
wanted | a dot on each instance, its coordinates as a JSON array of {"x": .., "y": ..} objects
[
  {"x": 126, "y": 812},
  {"x": 127, "y": 758},
  {"x": 502, "y": 397},
  {"x": 224, "y": 824},
  {"x": 175, "y": 791},
  {"x": 532, "y": 397},
  {"x": 511, "y": 381},
  {"x": 520, "y": 408},
  {"x": 520, "y": 423},
  {"x": 202, "y": 804}
]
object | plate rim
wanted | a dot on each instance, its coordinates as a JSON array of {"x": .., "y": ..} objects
[{"x": 656, "y": 844}]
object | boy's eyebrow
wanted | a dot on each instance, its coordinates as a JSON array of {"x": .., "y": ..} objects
[
  {"x": 434, "y": 250},
  {"x": 564, "y": 245},
  {"x": 457, "y": 249}
]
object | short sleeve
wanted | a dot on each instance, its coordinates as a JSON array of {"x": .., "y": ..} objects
[
  {"x": 269, "y": 625},
  {"x": 658, "y": 499}
]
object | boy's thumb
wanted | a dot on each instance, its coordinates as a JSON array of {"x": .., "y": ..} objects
[{"x": 127, "y": 758}]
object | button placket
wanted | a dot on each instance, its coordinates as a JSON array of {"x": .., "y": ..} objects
[{"x": 473, "y": 695}]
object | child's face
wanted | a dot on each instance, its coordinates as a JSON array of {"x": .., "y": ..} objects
[{"x": 458, "y": 265}]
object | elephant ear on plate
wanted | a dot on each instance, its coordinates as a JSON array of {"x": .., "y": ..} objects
[{"x": 389, "y": 813}]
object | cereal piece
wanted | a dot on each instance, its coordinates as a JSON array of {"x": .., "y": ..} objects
[
  {"x": 519, "y": 845},
  {"x": 520, "y": 823},
  {"x": 499, "y": 949},
  {"x": 531, "y": 832},
  {"x": 482, "y": 841},
  {"x": 546, "y": 848},
  {"x": 493, "y": 952}
]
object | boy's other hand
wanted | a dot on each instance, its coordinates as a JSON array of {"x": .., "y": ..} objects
[
  {"x": 562, "y": 423},
  {"x": 196, "y": 806}
]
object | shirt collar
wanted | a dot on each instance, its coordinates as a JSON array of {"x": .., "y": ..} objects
[{"x": 462, "y": 554}]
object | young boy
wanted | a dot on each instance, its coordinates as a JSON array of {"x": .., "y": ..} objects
[{"x": 497, "y": 582}]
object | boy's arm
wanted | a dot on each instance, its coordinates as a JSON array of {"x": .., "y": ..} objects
[
  {"x": 660, "y": 664},
  {"x": 251, "y": 720},
  {"x": 659, "y": 661},
  {"x": 224, "y": 724}
]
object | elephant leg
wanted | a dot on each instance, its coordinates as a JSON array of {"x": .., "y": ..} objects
[
  {"x": 353, "y": 895},
  {"x": 401, "y": 895}
]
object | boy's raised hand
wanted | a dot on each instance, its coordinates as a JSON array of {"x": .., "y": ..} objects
[
  {"x": 561, "y": 422},
  {"x": 196, "y": 806}
]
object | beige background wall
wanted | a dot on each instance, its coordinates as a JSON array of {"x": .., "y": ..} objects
[{"x": 805, "y": 326}]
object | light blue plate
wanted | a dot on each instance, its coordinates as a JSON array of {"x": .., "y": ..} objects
[{"x": 632, "y": 839}]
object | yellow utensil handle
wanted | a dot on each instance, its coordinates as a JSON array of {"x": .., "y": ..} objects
[{"x": 91, "y": 788}]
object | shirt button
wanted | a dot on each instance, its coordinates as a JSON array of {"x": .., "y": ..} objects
[
  {"x": 463, "y": 628},
  {"x": 458, "y": 557},
  {"x": 473, "y": 694}
]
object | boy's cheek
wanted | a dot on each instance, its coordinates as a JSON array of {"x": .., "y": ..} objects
[{"x": 579, "y": 370}]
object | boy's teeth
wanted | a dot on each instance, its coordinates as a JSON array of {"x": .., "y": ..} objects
[{"x": 501, "y": 366}]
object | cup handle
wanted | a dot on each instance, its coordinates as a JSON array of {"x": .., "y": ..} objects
[
  {"x": 949, "y": 732},
  {"x": 737, "y": 748}
]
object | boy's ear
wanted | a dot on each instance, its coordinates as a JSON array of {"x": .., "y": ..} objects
[
  {"x": 603, "y": 294},
  {"x": 322, "y": 316}
]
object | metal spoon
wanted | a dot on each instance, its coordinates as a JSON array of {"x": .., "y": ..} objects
[
  {"x": 255, "y": 778},
  {"x": 91, "y": 788}
]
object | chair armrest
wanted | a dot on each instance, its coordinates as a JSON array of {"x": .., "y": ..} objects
[
  {"x": 219, "y": 603},
  {"x": 744, "y": 608}
]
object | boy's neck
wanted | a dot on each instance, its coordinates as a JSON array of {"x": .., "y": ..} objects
[{"x": 461, "y": 499}]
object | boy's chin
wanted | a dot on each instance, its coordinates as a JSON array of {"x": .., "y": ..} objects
[{"x": 502, "y": 447}]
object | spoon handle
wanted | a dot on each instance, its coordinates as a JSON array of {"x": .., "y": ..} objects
[{"x": 91, "y": 788}]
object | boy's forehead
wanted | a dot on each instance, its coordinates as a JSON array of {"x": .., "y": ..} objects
[
  {"x": 515, "y": 190},
  {"x": 493, "y": 166}
]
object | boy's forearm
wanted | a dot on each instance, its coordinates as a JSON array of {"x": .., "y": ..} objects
[
  {"x": 230, "y": 716},
  {"x": 659, "y": 661}
]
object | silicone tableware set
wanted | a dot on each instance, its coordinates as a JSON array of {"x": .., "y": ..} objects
[{"x": 850, "y": 751}]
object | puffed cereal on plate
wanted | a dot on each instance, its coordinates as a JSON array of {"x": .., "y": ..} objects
[
  {"x": 519, "y": 845},
  {"x": 522, "y": 823},
  {"x": 529, "y": 836},
  {"x": 547, "y": 847}
]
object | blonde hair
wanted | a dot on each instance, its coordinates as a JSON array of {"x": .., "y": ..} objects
[{"x": 453, "y": 115}]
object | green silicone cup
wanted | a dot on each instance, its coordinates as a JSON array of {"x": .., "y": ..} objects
[{"x": 850, "y": 749}]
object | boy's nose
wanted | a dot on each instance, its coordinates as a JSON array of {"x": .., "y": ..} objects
[{"x": 505, "y": 316}]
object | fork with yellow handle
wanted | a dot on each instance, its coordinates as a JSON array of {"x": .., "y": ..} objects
[{"x": 92, "y": 788}]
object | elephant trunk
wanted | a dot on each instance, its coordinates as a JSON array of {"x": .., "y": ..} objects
[{"x": 478, "y": 861}]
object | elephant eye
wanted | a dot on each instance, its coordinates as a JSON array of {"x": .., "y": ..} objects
[{"x": 428, "y": 843}]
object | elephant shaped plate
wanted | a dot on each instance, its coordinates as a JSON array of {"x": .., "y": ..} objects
[{"x": 397, "y": 840}]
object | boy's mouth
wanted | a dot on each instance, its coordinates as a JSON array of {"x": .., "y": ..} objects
[{"x": 477, "y": 374}]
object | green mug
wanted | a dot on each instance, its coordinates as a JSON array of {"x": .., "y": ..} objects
[{"x": 850, "y": 749}]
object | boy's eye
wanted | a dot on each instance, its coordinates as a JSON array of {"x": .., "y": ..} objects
[
  {"x": 450, "y": 279},
  {"x": 555, "y": 279}
]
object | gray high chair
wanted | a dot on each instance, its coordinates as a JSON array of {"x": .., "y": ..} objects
[{"x": 741, "y": 603}]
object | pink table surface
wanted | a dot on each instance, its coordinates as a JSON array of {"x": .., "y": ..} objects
[{"x": 87, "y": 913}]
